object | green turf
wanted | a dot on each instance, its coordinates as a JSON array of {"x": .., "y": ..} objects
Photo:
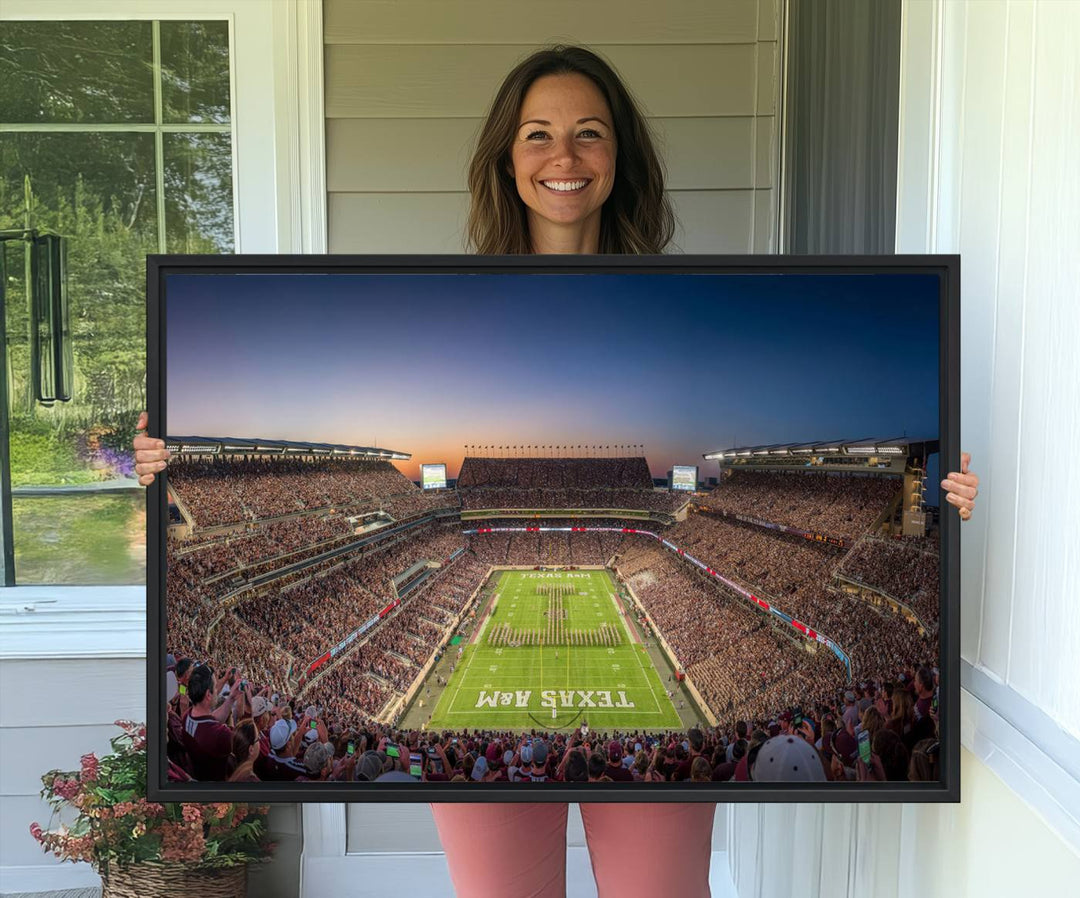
[{"x": 609, "y": 687}]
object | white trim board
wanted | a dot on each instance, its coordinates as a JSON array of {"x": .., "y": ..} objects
[
  {"x": 1025, "y": 760},
  {"x": 64, "y": 622}
]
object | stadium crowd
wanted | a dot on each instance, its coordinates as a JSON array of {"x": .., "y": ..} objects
[
  {"x": 840, "y": 505},
  {"x": 555, "y": 473},
  {"x": 238, "y": 724},
  {"x": 637, "y": 500},
  {"x": 223, "y": 726},
  {"x": 908, "y": 570},
  {"x": 230, "y": 491},
  {"x": 562, "y": 483}
]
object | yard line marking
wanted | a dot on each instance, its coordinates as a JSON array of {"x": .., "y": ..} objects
[{"x": 644, "y": 673}]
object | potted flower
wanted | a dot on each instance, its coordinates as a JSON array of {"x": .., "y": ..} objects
[{"x": 143, "y": 848}]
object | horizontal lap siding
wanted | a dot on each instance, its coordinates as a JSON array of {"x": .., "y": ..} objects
[
  {"x": 522, "y": 22},
  {"x": 381, "y": 155},
  {"x": 460, "y": 81}
]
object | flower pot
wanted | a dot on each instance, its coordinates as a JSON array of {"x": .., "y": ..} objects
[{"x": 173, "y": 881}]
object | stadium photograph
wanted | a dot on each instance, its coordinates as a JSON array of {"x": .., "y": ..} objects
[{"x": 535, "y": 529}]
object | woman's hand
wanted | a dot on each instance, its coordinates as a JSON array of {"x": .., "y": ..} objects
[
  {"x": 960, "y": 488},
  {"x": 150, "y": 454}
]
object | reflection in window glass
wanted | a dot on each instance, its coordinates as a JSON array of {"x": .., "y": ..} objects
[
  {"x": 66, "y": 72},
  {"x": 97, "y": 190},
  {"x": 83, "y": 540},
  {"x": 198, "y": 193},
  {"x": 98, "y": 187},
  {"x": 195, "y": 71}
]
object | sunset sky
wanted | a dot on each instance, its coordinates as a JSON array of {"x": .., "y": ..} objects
[{"x": 426, "y": 363}]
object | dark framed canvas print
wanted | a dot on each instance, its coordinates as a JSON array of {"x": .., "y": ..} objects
[{"x": 551, "y": 528}]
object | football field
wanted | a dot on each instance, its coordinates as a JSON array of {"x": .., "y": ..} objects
[{"x": 553, "y": 650}]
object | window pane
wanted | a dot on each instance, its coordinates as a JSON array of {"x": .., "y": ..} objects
[
  {"x": 198, "y": 193},
  {"x": 81, "y": 540},
  {"x": 195, "y": 72},
  {"x": 76, "y": 72},
  {"x": 98, "y": 191}
]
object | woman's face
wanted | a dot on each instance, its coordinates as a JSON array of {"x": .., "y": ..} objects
[{"x": 563, "y": 154}]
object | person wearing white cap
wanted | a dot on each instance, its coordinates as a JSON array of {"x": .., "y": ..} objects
[
  {"x": 282, "y": 763},
  {"x": 788, "y": 759}
]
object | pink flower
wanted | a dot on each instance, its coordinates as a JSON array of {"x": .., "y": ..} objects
[
  {"x": 181, "y": 843},
  {"x": 89, "y": 768},
  {"x": 36, "y": 832},
  {"x": 65, "y": 788},
  {"x": 150, "y": 808},
  {"x": 192, "y": 813}
]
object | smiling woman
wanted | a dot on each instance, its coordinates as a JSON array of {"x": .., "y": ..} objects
[{"x": 565, "y": 163}]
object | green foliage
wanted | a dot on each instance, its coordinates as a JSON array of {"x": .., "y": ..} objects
[
  {"x": 81, "y": 539},
  {"x": 117, "y": 825},
  {"x": 42, "y": 458}
]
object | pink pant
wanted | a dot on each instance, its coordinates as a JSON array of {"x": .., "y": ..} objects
[{"x": 519, "y": 850}]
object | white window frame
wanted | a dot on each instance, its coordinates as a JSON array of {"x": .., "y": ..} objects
[{"x": 279, "y": 201}]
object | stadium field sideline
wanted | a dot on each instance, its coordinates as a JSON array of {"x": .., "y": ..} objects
[{"x": 554, "y": 659}]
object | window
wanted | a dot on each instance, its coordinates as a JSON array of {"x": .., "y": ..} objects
[{"x": 118, "y": 136}]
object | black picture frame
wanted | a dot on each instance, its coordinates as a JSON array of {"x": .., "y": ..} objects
[{"x": 945, "y": 267}]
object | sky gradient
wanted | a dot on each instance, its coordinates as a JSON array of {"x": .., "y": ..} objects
[{"x": 684, "y": 364}]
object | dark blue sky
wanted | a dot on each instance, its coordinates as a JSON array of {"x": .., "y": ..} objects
[{"x": 684, "y": 364}]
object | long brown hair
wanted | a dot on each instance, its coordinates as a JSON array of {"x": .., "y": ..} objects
[
  {"x": 902, "y": 711},
  {"x": 637, "y": 216},
  {"x": 244, "y": 736}
]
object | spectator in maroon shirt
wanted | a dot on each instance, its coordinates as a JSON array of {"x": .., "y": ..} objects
[
  {"x": 207, "y": 740},
  {"x": 577, "y": 767},
  {"x": 924, "y": 726},
  {"x": 700, "y": 771},
  {"x": 924, "y": 690},
  {"x": 597, "y": 766},
  {"x": 696, "y": 741},
  {"x": 614, "y": 768},
  {"x": 725, "y": 771},
  {"x": 282, "y": 764}
]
